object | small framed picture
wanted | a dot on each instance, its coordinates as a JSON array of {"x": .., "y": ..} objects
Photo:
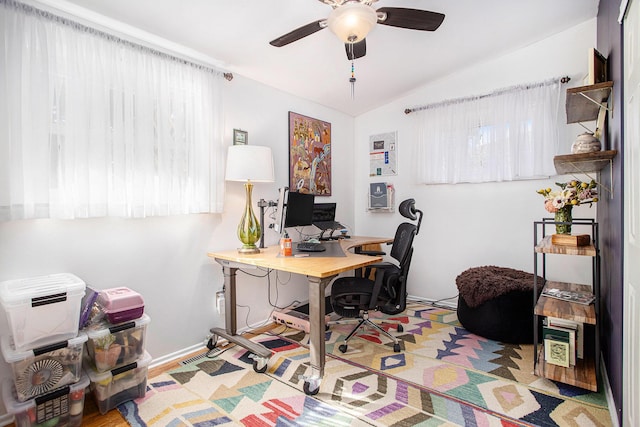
[
  {"x": 240, "y": 137},
  {"x": 597, "y": 67}
]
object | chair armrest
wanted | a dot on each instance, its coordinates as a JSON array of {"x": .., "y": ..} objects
[{"x": 383, "y": 265}]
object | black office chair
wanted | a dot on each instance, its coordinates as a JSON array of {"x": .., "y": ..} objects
[{"x": 354, "y": 297}]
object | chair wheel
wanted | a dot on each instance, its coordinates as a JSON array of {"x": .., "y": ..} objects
[
  {"x": 343, "y": 348},
  {"x": 400, "y": 328},
  {"x": 308, "y": 390},
  {"x": 258, "y": 367},
  {"x": 396, "y": 348}
]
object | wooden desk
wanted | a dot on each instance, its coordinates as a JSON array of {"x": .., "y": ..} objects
[{"x": 319, "y": 271}]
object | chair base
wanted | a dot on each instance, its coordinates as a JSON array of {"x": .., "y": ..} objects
[{"x": 364, "y": 321}]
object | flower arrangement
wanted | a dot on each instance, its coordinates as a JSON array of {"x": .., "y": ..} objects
[{"x": 572, "y": 193}]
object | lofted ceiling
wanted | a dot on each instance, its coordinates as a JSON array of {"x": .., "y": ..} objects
[{"x": 237, "y": 33}]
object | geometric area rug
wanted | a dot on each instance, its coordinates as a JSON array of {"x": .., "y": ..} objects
[{"x": 444, "y": 376}]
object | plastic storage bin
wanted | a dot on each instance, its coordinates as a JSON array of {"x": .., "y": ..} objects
[
  {"x": 42, "y": 310},
  {"x": 42, "y": 370},
  {"x": 62, "y": 407},
  {"x": 110, "y": 346},
  {"x": 121, "y": 304},
  {"x": 119, "y": 385}
]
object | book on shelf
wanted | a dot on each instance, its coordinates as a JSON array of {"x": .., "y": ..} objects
[
  {"x": 565, "y": 335},
  {"x": 556, "y": 352},
  {"x": 578, "y": 327},
  {"x": 584, "y": 298}
]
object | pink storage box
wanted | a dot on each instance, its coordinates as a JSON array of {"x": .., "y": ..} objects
[{"x": 121, "y": 304}]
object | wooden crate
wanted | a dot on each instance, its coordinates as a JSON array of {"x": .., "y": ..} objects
[{"x": 570, "y": 239}]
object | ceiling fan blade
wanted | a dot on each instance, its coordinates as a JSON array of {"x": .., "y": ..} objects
[
  {"x": 299, "y": 33},
  {"x": 359, "y": 49},
  {"x": 413, "y": 19}
]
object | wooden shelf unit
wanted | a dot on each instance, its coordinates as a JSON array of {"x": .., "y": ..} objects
[{"x": 586, "y": 372}]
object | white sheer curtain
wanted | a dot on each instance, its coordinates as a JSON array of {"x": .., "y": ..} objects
[
  {"x": 508, "y": 135},
  {"x": 92, "y": 125}
]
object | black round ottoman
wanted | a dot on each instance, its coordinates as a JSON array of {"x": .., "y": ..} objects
[{"x": 497, "y": 303}]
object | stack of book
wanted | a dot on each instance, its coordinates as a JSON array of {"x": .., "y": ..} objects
[{"x": 563, "y": 341}]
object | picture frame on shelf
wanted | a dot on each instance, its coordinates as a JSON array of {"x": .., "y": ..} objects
[
  {"x": 240, "y": 137},
  {"x": 597, "y": 67}
]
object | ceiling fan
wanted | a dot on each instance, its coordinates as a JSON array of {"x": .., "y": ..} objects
[{"x": 351, "y": 21}]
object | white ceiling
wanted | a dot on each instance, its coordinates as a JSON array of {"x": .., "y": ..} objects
[{"x": 237, "y": 33}]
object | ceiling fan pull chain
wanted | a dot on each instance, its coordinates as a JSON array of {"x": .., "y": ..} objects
[{"x": 352, "y": 80}]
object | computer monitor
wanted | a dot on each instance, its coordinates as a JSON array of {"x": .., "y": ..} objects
[
  {"x": 324, "y": 212},
  {"x": 299, "y": 209}
]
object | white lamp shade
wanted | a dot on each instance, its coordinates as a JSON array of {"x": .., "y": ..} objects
[
  {"x": 249, "y": 162},
  {"x": 351, "y": 22}
]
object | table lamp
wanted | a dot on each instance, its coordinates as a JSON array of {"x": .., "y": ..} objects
[{"x": 249, "y": 164}]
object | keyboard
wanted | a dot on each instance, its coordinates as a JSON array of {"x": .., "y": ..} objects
[{"x": 310, "y": 247}]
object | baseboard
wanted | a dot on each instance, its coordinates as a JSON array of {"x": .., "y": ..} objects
[
  {"x": 613, "y": 411},
  {"x": 6, "y": 419}
]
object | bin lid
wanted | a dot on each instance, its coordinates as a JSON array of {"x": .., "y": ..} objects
[
  {"x": 21, "y": 291},
  {"x": 11, "y": 355},
  {"x": 105, "y": 378},
  {"x": 104, "y": 328}
]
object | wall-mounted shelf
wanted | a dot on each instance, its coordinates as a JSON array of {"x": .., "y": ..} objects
[
  {"x": 588, "y": 103},
  {"x": 583, "y": 162},
  {"x": 585, "y": 102}
]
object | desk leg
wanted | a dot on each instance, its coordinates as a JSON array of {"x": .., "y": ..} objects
[
  {"x": 316, "y": 333},
  {"x": 261, "y": 354},
  {"x": 230, "y": 319}
]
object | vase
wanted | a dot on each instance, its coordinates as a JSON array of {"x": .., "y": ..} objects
[{"x": 563, "y": 215}]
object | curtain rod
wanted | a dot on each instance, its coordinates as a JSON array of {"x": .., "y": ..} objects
[
  {"x": 36, "y": 10},
  {"x": 564, "y": 79}
]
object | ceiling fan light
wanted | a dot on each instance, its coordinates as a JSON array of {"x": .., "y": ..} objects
[{"x": 352, "y": 21}]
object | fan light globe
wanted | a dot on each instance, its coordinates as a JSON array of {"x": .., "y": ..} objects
[{"x": 352, "y": 21}]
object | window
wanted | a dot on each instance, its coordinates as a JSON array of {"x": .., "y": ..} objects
[
  {"x": 93, "y": 125},
  {"x": 508, "y": 135}
]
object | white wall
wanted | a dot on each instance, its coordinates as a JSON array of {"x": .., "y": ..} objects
[
  {"x": 164, "y": 258},
  {"x": 469, "y": 225}
]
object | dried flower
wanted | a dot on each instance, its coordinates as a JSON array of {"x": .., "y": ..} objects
[{"x": 572, "y": 193}]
